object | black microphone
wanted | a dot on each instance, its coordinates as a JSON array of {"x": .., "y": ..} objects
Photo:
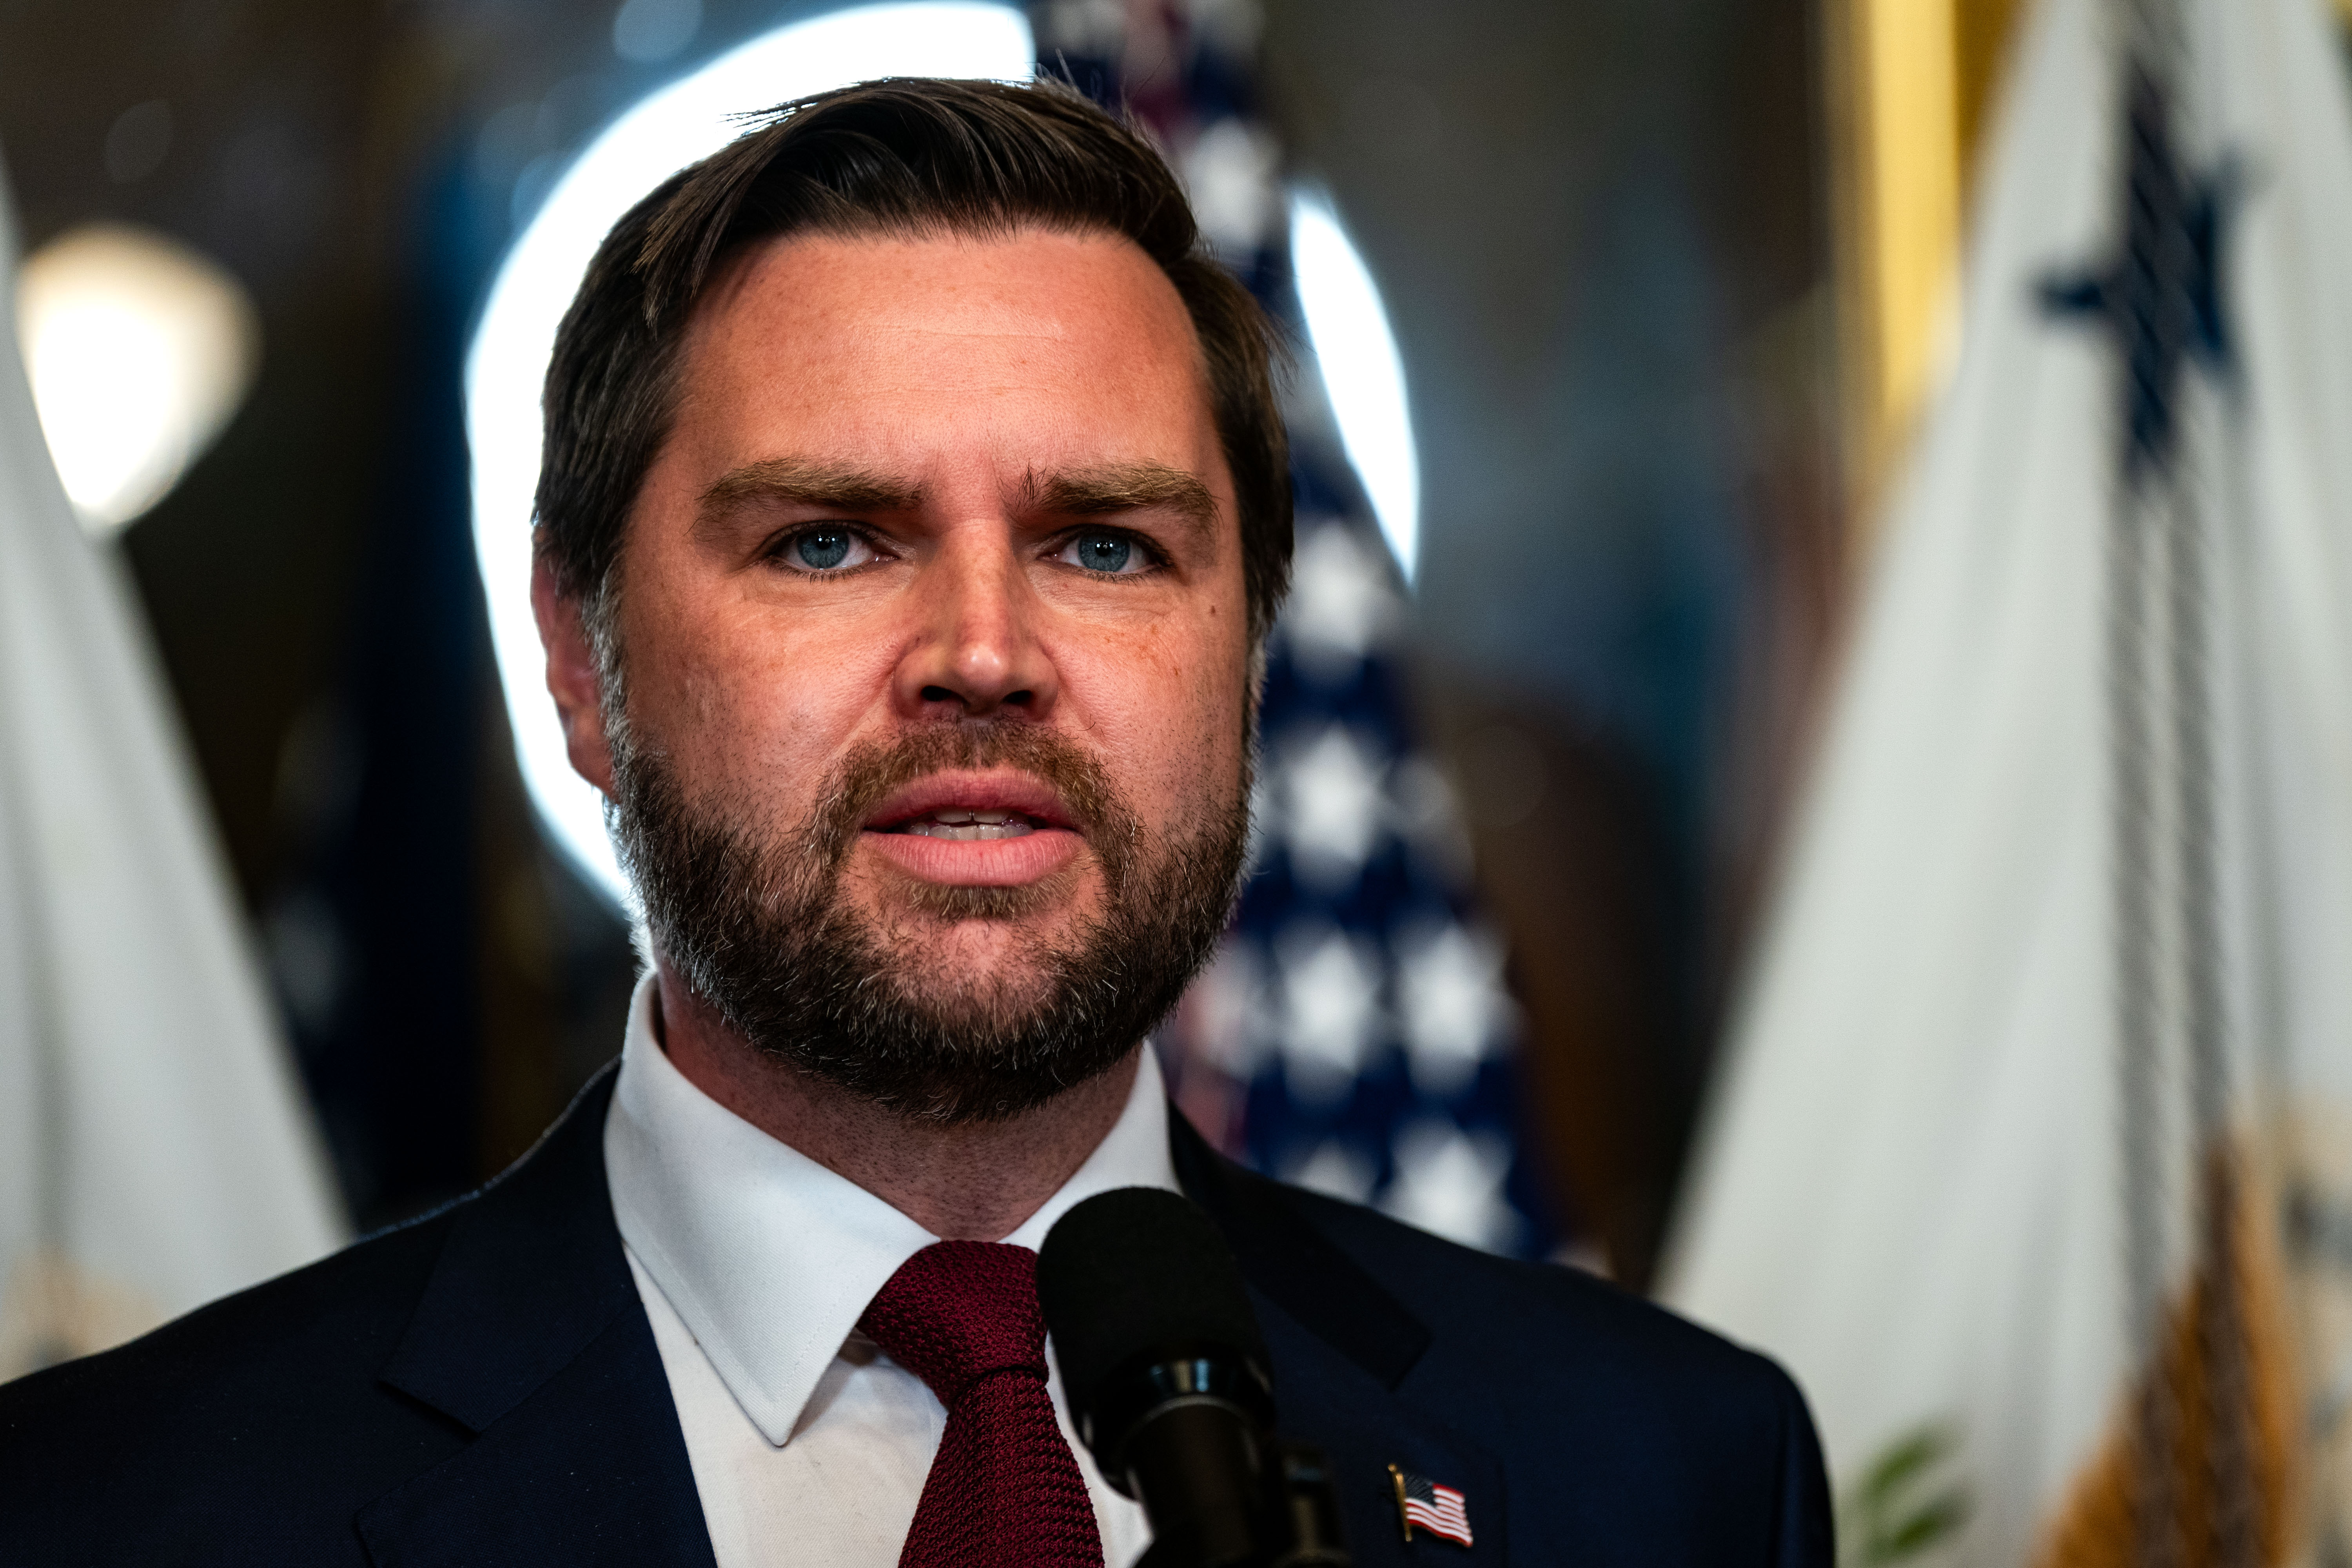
[{"x": 1167, "y": 1382}]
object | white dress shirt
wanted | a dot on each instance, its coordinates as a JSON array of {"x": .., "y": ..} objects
[{"x": 808, "y": 1444}]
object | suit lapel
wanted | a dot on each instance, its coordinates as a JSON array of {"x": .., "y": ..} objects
[
  {"x": 531, "y": 1335},
  {"x": 1342, "y": 1348}
]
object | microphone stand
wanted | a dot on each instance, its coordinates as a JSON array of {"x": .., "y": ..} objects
[
  {"x": 1296, "y": 1523},
  {"x": 1169, "y": 1388},
  {"x": 1191, "y": 1440}
]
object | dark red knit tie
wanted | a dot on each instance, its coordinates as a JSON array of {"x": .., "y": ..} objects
[{"x": 1004, "y": 1489}]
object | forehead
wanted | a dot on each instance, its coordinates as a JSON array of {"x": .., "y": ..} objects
[{"x": 1065, "y": 340}]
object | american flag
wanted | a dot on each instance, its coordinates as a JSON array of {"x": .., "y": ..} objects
[
  {"x": 1355, "y": 1036},
  {"x": 1437, "y": 1509}
]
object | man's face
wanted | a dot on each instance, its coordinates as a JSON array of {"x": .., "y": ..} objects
[{"x": 933, "y": 625}]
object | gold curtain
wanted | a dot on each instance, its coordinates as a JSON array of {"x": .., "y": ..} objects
[{"x": 1912, "y": 84}]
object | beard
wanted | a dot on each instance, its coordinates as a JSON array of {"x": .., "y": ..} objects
[{"x": 757, "y": 925}]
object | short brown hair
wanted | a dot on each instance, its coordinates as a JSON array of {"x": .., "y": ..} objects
[{"x": 910, "y": 157}]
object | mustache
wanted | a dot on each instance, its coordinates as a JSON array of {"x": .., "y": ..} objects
[{"x": 870, "y": 773}]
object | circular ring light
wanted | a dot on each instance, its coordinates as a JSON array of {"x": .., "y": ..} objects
[
  {"x": 1364, "y": 374},
  {"x": 686, "y": 121}
]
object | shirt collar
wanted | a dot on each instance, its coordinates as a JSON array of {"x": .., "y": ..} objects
[{"x": 770, "y": 1257}]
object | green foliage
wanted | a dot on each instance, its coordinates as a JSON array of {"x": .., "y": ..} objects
[{"x": 1904, "y": 1504}]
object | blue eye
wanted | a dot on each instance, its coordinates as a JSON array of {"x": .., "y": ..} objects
[
  {"x": 1102, "y": 551},
  {"x": 822, "y": 549}
]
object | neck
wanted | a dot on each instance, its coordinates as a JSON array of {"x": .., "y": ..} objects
[{"x": 974, "y": 1183}]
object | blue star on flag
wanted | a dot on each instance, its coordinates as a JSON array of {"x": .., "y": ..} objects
[{"x": 2162, "y": 297}]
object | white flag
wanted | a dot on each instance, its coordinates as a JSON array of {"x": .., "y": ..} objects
[
  {"x": 154, "y": 1149},
  {"x": 2054, "y": 1009}
]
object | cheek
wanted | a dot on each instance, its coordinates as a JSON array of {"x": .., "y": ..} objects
[
  {"x": 750, "y": 702},
  {"x": 1166, "y": 711},
  {"x": 1213, "y": 758}
]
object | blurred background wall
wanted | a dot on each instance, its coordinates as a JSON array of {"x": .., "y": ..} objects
[{"x": 1645, "y": 263}]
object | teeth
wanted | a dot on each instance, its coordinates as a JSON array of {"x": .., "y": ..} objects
[
  {"x": 971, "y": 824},
  {"x": 967, "y": 822}
]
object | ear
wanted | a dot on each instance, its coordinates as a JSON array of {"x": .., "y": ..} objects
[{"x": 572, "y": 677}]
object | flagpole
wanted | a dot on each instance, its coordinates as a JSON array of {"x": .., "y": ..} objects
[{"x": 2171, "y": 1016}]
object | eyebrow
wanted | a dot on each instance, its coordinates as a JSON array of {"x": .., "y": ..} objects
[
  {"x": 1122, "y": 487},
  {"x": 1103, "y": 491},
  {"x": 804, "y": 482}
]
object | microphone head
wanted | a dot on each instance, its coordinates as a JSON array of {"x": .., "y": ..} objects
[{"x": 1140, "y": 1275}]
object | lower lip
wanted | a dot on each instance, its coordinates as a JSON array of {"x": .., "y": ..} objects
[{"x": 978, "y": 862}]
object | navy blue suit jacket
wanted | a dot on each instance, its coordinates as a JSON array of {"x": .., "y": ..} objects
[{"x": 481, "y": 1386}]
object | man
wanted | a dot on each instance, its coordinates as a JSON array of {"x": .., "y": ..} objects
[{"x": 914, "y": 512}]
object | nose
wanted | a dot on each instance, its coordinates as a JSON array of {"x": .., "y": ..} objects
[{"x": 976, "y": 652}]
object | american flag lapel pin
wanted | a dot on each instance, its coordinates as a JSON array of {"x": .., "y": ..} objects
[{"x": 1440, "y": 1510}]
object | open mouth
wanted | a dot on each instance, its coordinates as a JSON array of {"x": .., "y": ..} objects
[
  {"x": 961, "y": 823},
  {"x": 968, "y": 807},
  {"x": 976, "y": 828}
]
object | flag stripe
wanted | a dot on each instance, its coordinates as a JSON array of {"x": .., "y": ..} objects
[{"x": 1439, "y": 1510}]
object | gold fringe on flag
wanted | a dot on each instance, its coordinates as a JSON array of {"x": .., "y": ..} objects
[{"x": 2198, "y": 1466}]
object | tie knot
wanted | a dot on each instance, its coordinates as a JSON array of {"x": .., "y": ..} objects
[{"x": 959, "y": 1311}]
